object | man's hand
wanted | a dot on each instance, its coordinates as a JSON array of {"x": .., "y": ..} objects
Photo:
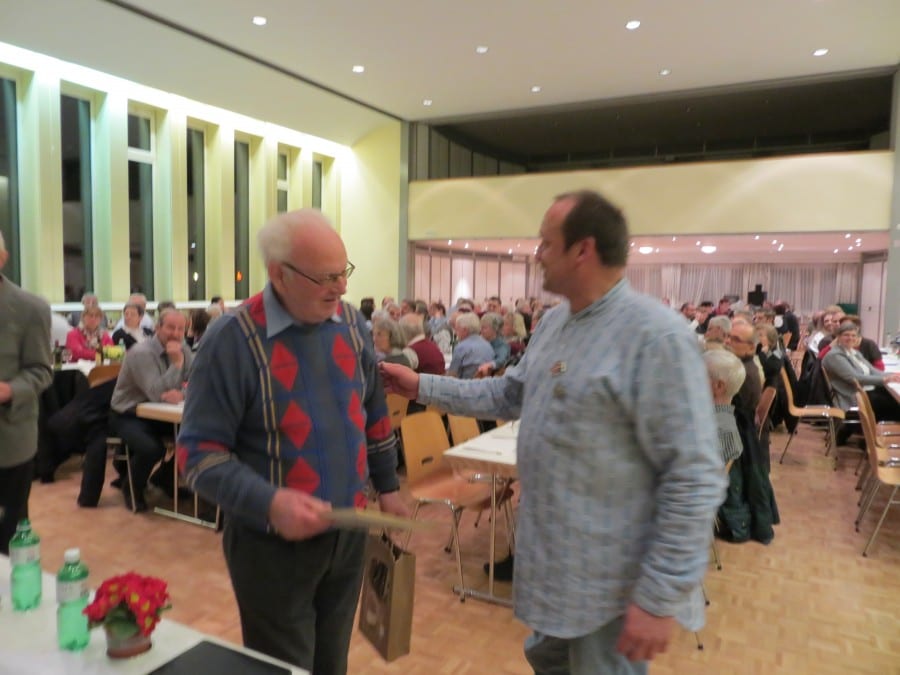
[
  {"x": 296, "y": 515},
  {"x": 171, "y": 396},
  {"x": 400, "y": 380},
  {"x": 175, "y": 354},
  {"x": 5, "y": 392},
  {"x": 393, "y": 504},
  {"x": 644, "y": 635},
  {"x": 485, "y": 369}
]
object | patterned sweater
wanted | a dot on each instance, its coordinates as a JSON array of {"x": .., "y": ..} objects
[{"x": 275, "y": 403}]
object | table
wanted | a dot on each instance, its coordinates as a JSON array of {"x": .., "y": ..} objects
[
  {"x": 172, "y": 413},
  {"x": 493, "y": 453},
  {"x": 894, "y": 389},
  {"x": 28, "y": 641}
]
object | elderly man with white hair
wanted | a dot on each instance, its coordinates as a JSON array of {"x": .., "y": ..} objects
[
  {"x": 471, "y": 350},
  {"x": 716, "y": 332},
  {"x": 726, "y": 375},
  {"x": 25, "y": 371}
]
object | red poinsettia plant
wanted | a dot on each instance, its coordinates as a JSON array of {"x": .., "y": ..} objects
[{"x": 128, "y": 604}]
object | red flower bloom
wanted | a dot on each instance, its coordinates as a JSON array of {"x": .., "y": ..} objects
[{"x": 129, "y": 599}]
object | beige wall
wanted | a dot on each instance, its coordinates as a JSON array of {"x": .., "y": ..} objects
[
  {"x": 809, "y": 193},
  {"x": 370, "y": 212}
]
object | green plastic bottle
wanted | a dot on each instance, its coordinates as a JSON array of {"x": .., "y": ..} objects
[
  {"x": 25, "y": 558},
  {"x": 72, "y": 630}
]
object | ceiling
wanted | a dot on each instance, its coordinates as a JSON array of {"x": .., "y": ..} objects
[
  {"x": 577, "y": 51},
  {"x": 744, "y": 248}
]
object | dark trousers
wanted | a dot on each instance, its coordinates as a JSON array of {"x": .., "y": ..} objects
[
  {"x": 15, "y": 486},
  {"x": 145, "y": 441},
  {"x": 884, "y": 405},
  {"x": 297, "y": 600}
]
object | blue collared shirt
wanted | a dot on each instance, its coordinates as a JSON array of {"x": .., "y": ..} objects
[{"x": 618, "y": 459}]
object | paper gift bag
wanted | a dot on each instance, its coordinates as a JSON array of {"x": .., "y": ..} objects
[{"x": 389, "y": 579}]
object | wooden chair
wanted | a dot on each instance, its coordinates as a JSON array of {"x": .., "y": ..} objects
[
  {"x": 431, "y": 479},
  {"x": 763, "y": 409},
  {"x": 884, "y": 468},
  {"x": 808, "y": 412},
  {"x": 101, "y": 374},
  {"x": 397, "y": 407},
  {"x": 462, "y": 428}
]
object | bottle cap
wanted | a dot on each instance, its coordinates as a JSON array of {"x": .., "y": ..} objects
[
  {"x": 23, "y": 525},
  {"x": 72, "y": 555}
]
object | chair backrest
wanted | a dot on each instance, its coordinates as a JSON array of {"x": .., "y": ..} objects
[
  {"x": 764, "y": 407},
  {"x": 397, "y": 407},
  {"x": 462, "y": 428},
  {"x": 867, "y": 417},
  {"x": 101, "y": 374},
  {"x": 424, "y": 444},
  {"x": 789, "y": 393}
]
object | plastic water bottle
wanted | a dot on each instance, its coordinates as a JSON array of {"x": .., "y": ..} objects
[
  {"x": 72, "y": 630},
  {"x": 25, "y": 558}
]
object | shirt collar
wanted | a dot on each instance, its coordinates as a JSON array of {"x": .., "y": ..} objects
[
  {"x": 277, "y": 317},
  {"x": 609, "y": 299}
]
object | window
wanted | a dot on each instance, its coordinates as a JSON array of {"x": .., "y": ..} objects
[
  {"x": 141, "y": 160},
  {"x": 283, "y": 182},
  {"x": 9, "y": 178},
  {"x": 241, "y": 219},
  {"x": 196, "y": 220},
  {"x": 75, "y": 148},
  {"x": 317, "y": 184}
]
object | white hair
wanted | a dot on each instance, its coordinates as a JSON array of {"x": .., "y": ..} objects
[
  {"x": 412, "y": 326},
  {"x": 469, "y": 321},
  {"x": 274, "y": 238},
  {"x": 722, "y": 322},
  {"x": 723, "y": 366}
]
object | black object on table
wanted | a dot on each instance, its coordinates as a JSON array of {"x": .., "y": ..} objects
[{"x": 209, "y": 657}]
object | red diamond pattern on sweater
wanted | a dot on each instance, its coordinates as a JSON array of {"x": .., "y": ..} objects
[
  {"x": 361, "y": 460},
  {"x": 344, "y": 356},
  {"x": 284, "y": 366},
  {"x": 295, "y": 424},
  {"x": 302, "y": 477},
  {"x": 257, "y": 309},
  {"x": 360, "y": 501},
  {"x": 355, "y": 412}
]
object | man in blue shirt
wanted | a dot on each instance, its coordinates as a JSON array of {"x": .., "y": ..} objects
[
  {"x": 471, "y": 349},
  {"x": 617, "y": 455}
]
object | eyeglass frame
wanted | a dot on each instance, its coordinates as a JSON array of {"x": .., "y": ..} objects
[{"x": 328, "y": 279}]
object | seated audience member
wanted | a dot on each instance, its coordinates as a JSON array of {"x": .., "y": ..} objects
[
  {"x": 846, "y": 366},
  {"x": 430, "y": 357},
  {"x": 131, "y": 332},
  {"x": 220, "y": 302},
  {"x": 726, "y": 376},
  {"x": 366, "y": 307},
  {"x": 491, "y": 324},
  {"x": 471, "y": 350},
  {"x": 140, "y": 300},
  {"x": 87, "y": 300},
  {"x": 84, "y": 341},
  {"x": 515, "y": 333},
  {"x": 437, "y": 317},
  {"x": 834, "y": 317},
  {"x": 816, "y": 330},
  {"x": 769, "y": 353},
  {"x": 786, "y": 322},
  {"x": 394, "y": 311},
  {"x": 155, "y": 370},
  {"x": 390, "y": 345},
  {"x": 198, "y": 322},
  {"x": 717, "y": 331},
  {"x": 866, "y": 346}
]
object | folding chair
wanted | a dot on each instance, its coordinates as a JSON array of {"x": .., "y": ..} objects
[{"x": 807, "y": 412}]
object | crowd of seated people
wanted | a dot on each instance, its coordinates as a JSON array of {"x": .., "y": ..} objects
[{"x": 88, "y": 338}]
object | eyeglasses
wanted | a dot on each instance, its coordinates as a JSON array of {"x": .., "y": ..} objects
[{"x": 325, "y": 279}]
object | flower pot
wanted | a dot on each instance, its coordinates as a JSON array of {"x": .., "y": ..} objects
[{"x": 124, "y": 647}]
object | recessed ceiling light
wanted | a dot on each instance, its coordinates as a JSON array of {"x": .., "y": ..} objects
[
  {"x": 634, "y": 24},
  {"x": 756, "y": 236},
  {"x": 359, "y": 69},
  {"x": 427, "y": 102},
  {"x": 674, "y": 238},
  {"x": 820, "y": 52},
  {"x": 665, "y": 71},
  {"x": 835, "y": 250},
  {"x": 858, "y": 239},
  {"x": 698, "y": 242},
  {"x": 449, "y": 242},
  {"x": 645, "y": 250},
  {"x": 260, "y": 21},
  {"x": 774, "y": 241},
  {"x": 509, "y": 251},
  {"x": 847, "y": 236},
  {"x": 780, "y": 246},
  {"x": 708, "y": 249},
  {"x": 849, "y": 248},
  {"x": 481, "y": 49},
  {"x": 858, "y": 244},
  {"x": 536, "y": 89},
  {"x": 657, "y": 250},
  {"x": 467, "y": 245}
]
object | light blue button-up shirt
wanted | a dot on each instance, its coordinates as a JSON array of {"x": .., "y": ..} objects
[{"x": 618, "y": 460}]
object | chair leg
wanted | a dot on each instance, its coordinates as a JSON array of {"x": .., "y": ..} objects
[
  {"x": 716, "y": 559},
  {"x": 705, "y": 596},
  {"x": 409, "y": 532},
  {"x": 454, "y": 517},
  {"x": 457, "y": 515},
  {"x": 890, "y": 502},
  {"x": 863, "y": 476},
  {"x": 867, "y": 503},
  {"x": 130, "y": 478},
  {"x": 699, "y": 641},
  {"x": 788, "y": 444}
]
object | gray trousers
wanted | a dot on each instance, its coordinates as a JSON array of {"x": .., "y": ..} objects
[
  {"x": 591, "y": 654},
  {"x": 297, "y": 600}
]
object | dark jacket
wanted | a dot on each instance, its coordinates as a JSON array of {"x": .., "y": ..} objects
[{"x": 749, "y": 510}]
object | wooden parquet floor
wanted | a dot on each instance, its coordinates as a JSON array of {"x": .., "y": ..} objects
[{"x": 806, "y": 603}]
